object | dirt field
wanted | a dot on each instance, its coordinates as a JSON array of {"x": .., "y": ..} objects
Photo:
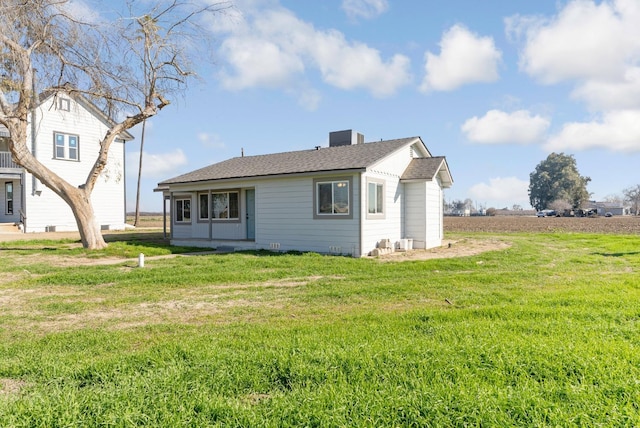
[
  {"x": 624, "y": 225},
  {"x": 498, "y": 224}
]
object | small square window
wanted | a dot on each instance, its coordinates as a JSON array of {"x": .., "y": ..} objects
[
  {"x": 332, "y": 199},
  {"x": 64, "y": 104}
]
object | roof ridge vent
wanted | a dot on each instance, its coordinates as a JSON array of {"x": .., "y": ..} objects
[{"x": 347, "y": 137}]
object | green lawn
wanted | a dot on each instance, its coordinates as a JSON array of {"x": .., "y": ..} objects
[{"x": 544, "y": 333}]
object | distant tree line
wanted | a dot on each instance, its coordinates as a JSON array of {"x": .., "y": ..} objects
[{"x": 555, "y": 184}]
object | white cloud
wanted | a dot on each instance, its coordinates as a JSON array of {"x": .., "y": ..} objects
[
  {"x": 273, "y": 48},
  {"x": 501, "y": 190},
  {"x": 610, "y": 95},
  {"x": 161, "y": 165},
  {"x": 367, "y": 9},
  {"x": 498, "y": 127},
  {"x": 81, "y": 11},
  {"x": 464, "y": 58},
  {"x": 258, "y": 62},
  {"x": 210, "y": 140},
  {"x": 584, "y": 41},
  {"x": 355, "y": 65},
  {"x": 617, "y": 131}
]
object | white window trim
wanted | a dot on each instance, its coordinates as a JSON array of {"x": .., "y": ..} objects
[
  {"x": 208, "y": 207},
  {"x": 224, "y": 192},
  {"x": 379, "y": 184},
  {"x": 8, "y": 199},
  {"x": 66, "y": 147},
  {"x": 175, "y": 206}
]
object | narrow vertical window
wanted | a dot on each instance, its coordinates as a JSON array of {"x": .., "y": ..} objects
[
  {"x": 73, "y": 147},
  {"x": 183, "y": 210},
  {"x": 8, "y": 188},
  {"x": 204, "y": 206},
  {"x": 375, "y": 198},
  {"x": 60, "y": 146}
]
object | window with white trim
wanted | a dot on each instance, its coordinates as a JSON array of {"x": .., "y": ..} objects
[
  {"x": 64, "y": 104},
  {"x": 183, "y": 210},
  {"x": 8, "y": 191},
  {"x": 66, "y": 146},
  {"x": 375, "y": 198},
  {"x": 225, "y": 205},
  {"x": 332, "y": 198}
]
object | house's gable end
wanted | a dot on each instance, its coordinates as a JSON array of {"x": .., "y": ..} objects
[
  {"x": 411, "y": 148},
  {"x": 85, "y": 103}
]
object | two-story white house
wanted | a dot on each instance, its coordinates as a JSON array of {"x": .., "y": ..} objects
[{"x": 65, "y": 130}]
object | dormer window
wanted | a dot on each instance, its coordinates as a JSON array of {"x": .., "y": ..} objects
[{"x": 64, "y": 104}]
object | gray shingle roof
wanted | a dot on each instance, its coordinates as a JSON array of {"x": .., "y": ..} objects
[
  {"x": 358, "y": 156},
  {"x": 422, "y": 168}
]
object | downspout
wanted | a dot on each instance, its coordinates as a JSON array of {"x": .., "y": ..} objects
[
  {"x": 34, "y": 180},
  {"x": 35, "y": 185}
]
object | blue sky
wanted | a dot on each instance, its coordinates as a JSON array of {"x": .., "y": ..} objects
[{"x": 493, "y": 85}]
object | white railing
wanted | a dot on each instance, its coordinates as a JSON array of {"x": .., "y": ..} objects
[{"x": 6, "y": 161}]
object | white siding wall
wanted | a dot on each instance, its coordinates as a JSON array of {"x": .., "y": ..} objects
[
  {"x": 415, "y": 214},
  {"x": 435, "y": 230},
  {"x": 284, "y": 218},
  {"x": 424, "y": 209},
  {"x": 390, "y": 226},
  {"x": 43, "y": 207}
]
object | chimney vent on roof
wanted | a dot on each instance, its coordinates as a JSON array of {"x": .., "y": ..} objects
[{"x": 345, "y": 138}]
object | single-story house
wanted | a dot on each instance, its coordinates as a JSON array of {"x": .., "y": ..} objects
[
  {"x": 349, "y": 198},
  {"x": 615, "y": 208}
]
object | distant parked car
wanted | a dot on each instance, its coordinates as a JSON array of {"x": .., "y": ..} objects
[
  {"x": 608, "y": 214},
  {"x": 541, "y": 214}
]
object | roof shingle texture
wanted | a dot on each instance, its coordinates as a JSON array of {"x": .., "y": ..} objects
[
  {"x": 423, "y": 168},
  {"x": 358, "y": 156}
]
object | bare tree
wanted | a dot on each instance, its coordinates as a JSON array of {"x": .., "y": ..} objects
[{"x": 129, "y": 66}]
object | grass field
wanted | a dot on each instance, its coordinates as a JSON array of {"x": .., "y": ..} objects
[{"x": 543, "y": 333}]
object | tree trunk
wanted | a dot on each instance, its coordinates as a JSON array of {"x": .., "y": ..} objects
[{"x": 90, "y": 232}]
